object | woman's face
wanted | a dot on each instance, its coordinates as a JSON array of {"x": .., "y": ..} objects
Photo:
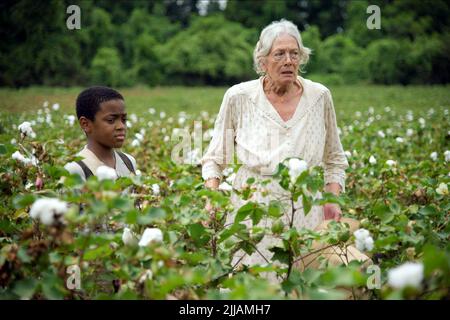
[{"x": 281, "y": 65}]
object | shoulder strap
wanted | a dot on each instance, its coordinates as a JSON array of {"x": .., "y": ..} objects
[
  {"x": 87, "y": 172},
  {"x": 126, "y": 160}
]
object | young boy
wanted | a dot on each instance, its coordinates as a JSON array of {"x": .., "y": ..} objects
[{"x": 102, "y": 117}]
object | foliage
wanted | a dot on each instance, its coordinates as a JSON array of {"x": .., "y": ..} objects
[
  {"x": 399, "y": 205},
  {"x": 170, "y": 42}
]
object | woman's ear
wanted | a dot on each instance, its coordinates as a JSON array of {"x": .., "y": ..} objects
[
  {"x": 85, "y": 124},
  {"x": 263, "y": 65}
]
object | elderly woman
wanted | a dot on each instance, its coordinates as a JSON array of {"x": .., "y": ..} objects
[{"x": 278, "y": 116}]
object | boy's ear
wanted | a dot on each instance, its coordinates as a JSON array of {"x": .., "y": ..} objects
[{"x": 85, "y": 124}]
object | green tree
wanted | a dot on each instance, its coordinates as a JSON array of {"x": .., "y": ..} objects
[
  {"x": 210, "y": 51},
  {"x": 106, "y": 67}
]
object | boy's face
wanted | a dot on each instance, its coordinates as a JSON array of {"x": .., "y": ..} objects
[{"x": 109, "y": 126}]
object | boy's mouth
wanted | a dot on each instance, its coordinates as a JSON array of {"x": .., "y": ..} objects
[{"x": 120, "y": 137}]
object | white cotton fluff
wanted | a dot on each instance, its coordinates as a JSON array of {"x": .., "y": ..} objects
[
  {"x": 447, "y": 155},
  {"x": 26, "y": 129},
  {"x": 434, "y": 156},
  {"x": 155, "y": 189},
  {"x": 225, "y": 186},
  {"x": 391, "y": 163},
  {"x": 409, "y": 132},
  {"x": 150, "y": 235},
  {"x": 442, "y": 189},
  {"x": 409, "y": 274},
  {"x": 71, "y": 119},
  {"x": 363, "y": 242},
  {"x": 105, "y": 172},
  {"x": 296, "y": 167},
  {"x": 48, "y": 210},
  {"x": 372, "y": 160},
  {"x": 26, "y": 161},
  {"x": 147, "y": 275},
  {"x": 128, "y": 238}
]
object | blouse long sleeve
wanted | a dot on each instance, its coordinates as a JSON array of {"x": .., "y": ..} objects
[
  {"x": 221, "y": 148},
  {"x": 334, "y": 159}
]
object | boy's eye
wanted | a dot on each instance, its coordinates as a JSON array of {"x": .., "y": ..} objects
[{"x": 110, "y": 120}]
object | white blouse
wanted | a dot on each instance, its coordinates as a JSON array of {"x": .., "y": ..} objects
[{"x": 249, "y": 125}]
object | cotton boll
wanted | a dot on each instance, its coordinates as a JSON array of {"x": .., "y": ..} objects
[
  {"x": 48, "y": 210},
  {"x": 148, "y": 275},
  {"x": 105, "y": 172},
  {"x": 155, "y": 189},
  {"x": 150, "y": 235},
  {"x": 409, "y": 274},
  {"x": 296, "y": 167},
  {"x": 135, "y": 143},
  {"x": 434, "y": 156},
  {"x": 26, "y": 129},
  {"x": 224, "y": 186},
  {"x": 409, "y": 132},
  {"x": 128, "y": 237},
  {"x": 372, "y": 160},
  {"x": 447, "y": 155},
  {"x": 55, "y": 106},
  {"x": 442, "y": 189},
  {"x": 361, "y": 233},
  {"x": 391, "y": 163},
  {"x": 368, "y": 243}
]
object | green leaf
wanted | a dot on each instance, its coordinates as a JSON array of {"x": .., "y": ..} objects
[
  {"x": 232, "y": 230},
  {"x": 275, "y": 209},
  {"x": 22, "y": 201},
  {"x": 256, "y": 215},
  {"x": 97, "y": 253},
  {"x": 306, "y": 204},
  {"x": 198, "y": 233},
  {"x": 151, "y": 216},
  {"x": 2, "y": 149},
  {"x": 244, "y": 211},
  {"x": 280, "y": 254},
  {"x": 25, "y": 288}
]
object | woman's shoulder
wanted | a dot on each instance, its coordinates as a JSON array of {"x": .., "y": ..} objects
[
  {"x": 243, "y": 88},
  {"x": 314, "y": 87}
]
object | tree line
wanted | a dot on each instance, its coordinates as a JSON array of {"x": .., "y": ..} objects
[{"x": 189, "y": 42}]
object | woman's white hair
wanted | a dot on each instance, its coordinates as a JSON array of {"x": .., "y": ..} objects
[{"x": 267, "y": 38}]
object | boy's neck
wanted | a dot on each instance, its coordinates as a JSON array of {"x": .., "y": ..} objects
[{"x": 104, "y": 154}]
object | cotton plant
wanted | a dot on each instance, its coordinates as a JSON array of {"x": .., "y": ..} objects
[
  {"x": 409, "y": 274},
  {"x": 363, "y": 240},
  {"x": 106, "y": 173},
  {"x": 26, "y": 130},
  {"x": 49, "y": 211},
  {"x": 442, "y": 189}
]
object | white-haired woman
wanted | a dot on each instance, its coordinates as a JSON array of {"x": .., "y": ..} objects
[{"x": 278, "y": 116}]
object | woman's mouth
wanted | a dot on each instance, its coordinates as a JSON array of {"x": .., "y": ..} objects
[{"x": 287, "y": 73}]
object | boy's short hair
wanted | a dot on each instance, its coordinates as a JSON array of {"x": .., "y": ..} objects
[{"x": 88, "y": 101}]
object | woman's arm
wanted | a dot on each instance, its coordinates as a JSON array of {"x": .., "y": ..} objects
[
  {"x": 221, "y": 148},
  {"x": 334, "y": 159}
]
